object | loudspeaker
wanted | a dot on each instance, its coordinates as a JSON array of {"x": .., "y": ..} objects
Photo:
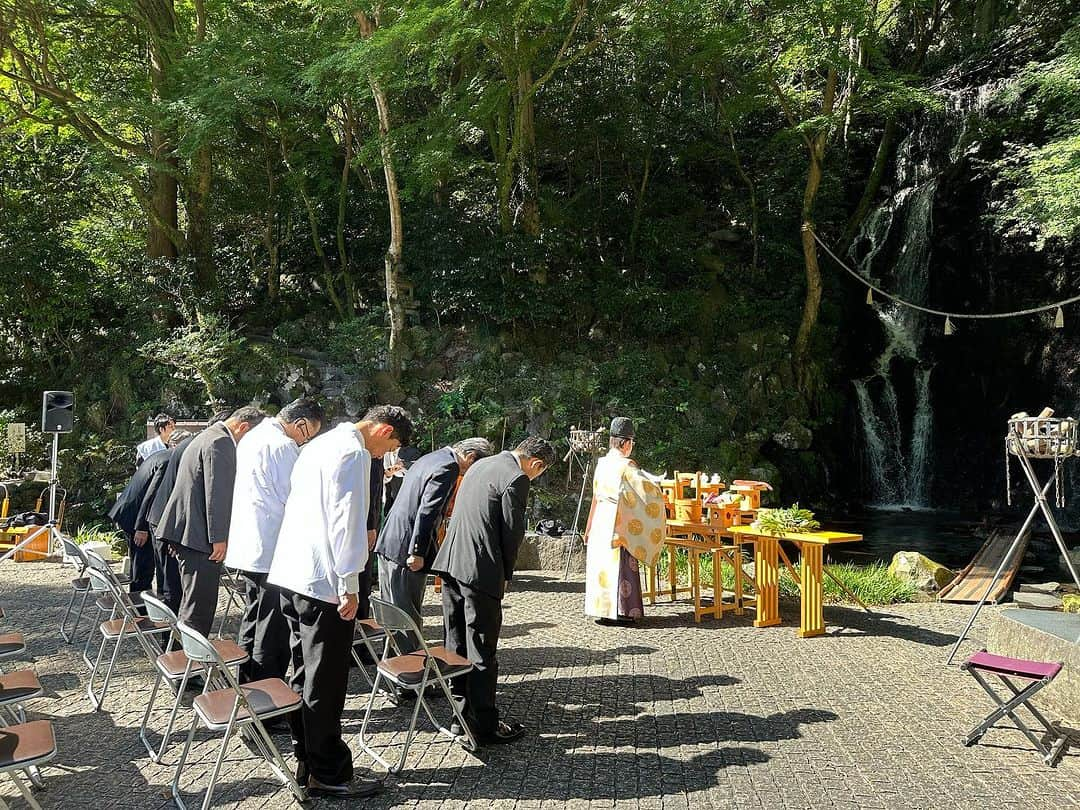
[{"x": 57, "y": 411}]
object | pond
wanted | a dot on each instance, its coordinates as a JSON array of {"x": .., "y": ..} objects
[{"x": 950, "y": 538}]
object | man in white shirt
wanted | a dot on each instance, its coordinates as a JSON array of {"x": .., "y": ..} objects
[
  {"x": 264, "y": 465},
  {"x": 164, "y": 425},
  {"x": 322, "y": 549}
]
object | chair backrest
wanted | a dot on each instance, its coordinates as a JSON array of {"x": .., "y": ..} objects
[
  {"x": 158, "y": 611},
  {"x": 393, "y": 619},
  {"x": 106, "y": 581},
  {"x": 95, "y": 560},
  {"x": 197, "y": 647},
  {"x": 74, "y": 550}
]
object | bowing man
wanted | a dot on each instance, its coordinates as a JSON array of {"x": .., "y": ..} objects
[
  {"x": 476, "y": 561},
  {"x": 130, "y": 513},
  {"x": 264, "y": 465},
  {"x": 196, "y": 518},
  {"x": 406, "y": 545},
  {"x": 317, "y": 564}
]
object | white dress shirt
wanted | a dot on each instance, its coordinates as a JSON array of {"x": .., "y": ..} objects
[
  {"x": 264, "y": 465},
  {"x": 323, "y": 540},
  {"x": 146, "y": 449}
]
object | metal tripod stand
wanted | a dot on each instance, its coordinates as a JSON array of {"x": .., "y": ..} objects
[
  {"x": 582, "y": 443},
  {"x": 1029, "y": 439}
]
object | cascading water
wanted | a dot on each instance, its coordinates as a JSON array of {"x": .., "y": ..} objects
[{"x": 894, "y": 403}]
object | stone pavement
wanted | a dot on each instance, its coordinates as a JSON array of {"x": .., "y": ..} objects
[{"x": 668, "y": 715}]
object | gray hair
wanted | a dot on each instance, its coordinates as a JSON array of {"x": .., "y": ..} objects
[
  {"x": 178, "y": 436},
  {"x": 479, "y": 447}
]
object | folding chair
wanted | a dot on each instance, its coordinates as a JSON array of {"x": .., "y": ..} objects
[
  {"x": 104, "y": 602},
  {"x": 414, "y": 671},
  {"x": 232, "y": 709},
  {"x": 176, "y": 669},
  {"x": 233, "y": 596},
  {"x": 130, "y": 623},
  {"x": 80, "y": 586},
  {"x": 369, "y": 635},
  {"x": 1037, "y": 674},
  {"x": 22, "y": 748}
]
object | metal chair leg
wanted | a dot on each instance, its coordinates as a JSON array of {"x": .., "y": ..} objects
[
  {"x": 180, "y": 764},
  {"x": 28, "y": 797},
  {"x": 99, "y": 702},
  {"x": 364, "y": 724},
  {"x": 220, "y": 758},
  {"x": 144, "y": 725}
]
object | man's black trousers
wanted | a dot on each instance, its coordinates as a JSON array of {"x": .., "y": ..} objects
[
  {"x": 472, "y": 622},
  {"x": 199, "y": 578},
  {"x": 321, "y": 643},
  {"x": 264, "y": 633}
]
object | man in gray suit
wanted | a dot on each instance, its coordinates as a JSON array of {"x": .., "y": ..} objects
[
  {"x": 476, "y": 561},
  {"x": 196, "y": 517},
  {"x": 406, "y": 545}
]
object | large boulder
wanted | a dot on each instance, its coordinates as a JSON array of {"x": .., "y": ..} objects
[{"x": 920, "y": 571}]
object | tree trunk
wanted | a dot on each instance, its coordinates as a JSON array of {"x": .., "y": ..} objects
[
  {"x": 812, "y": 301},
  {"x": 159, "y": 18},
  {"x": 393, "y": 262},
  {"x": 200, "y": 236},
  {"x": 527, "y": 158},
  {"x": 873, "y": 182}
]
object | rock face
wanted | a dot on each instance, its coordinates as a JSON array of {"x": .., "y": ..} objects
[
  {"x": 921, "y": 571},
  {"x": 541, "y": 552}
]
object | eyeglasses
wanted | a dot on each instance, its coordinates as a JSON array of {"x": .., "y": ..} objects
[{"x": 305, "y": 431}]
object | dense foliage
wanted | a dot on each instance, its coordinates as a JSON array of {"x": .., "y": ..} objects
[{"x": 510, "y": 216}]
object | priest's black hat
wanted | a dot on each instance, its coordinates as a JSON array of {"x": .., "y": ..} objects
[{"x": 622, "y": 428}]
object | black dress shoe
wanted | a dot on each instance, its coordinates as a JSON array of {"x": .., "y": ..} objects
[
  {"x": 302, "y": 774},
  {"x": 353, "y": 789},
  {"x": 504, "y": 733}
]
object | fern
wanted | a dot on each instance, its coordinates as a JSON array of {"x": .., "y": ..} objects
[{"x": 779, "y": 521}]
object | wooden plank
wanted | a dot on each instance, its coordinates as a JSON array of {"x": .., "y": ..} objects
[{"x": 971, "y": 583}]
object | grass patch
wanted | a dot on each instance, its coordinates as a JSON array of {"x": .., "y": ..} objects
[{"x": 872, "y": 583}]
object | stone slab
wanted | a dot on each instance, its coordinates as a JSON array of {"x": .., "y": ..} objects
[{"x": 1040, "y": 635}]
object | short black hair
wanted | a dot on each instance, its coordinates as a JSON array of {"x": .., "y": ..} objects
[
  {"x": 539, "y": 448},
  {"x": 303, "y": 408},
  {"x": 221, "y": 415},
  {"x": 479, "y": 447},
  {"x": 249, "y": 414},
  {"x": 162, "y": 421},
  {"x": 394, "y": 415}
]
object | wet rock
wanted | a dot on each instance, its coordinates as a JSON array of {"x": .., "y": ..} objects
[
  {"x": 920, "y": 571},
  {"x": 1038, "y": 601},
  {"x": 794, "y": 435},
  {"x": 1044, "y": 587}
]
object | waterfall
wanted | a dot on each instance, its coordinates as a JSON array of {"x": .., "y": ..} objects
[{"x": 897, "y": 440}]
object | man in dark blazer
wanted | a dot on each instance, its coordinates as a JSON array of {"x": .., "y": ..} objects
[
  {"x": 196, "y": 518},
  {"x": 406, "y": 545},
  {"x": 394, "y": 475},
  {"x": 130, "y": 513},
  {"x": 476, "y": 561}
]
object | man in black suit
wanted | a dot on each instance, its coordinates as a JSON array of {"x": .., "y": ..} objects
[
  {"x": 394, "y": 471},
  {"x": 476, "y": 561},
  {"x": 171, "y": 590},
  {"x": 130, "y": 514},
  {"x": 196, "y": 518},
  {"x": 406, "y": 546}
]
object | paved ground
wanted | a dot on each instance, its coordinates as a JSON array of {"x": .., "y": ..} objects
[{"x": 669, "y": 715}]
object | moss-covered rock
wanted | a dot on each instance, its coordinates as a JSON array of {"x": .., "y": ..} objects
[{"x": 921, "y": 571}]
